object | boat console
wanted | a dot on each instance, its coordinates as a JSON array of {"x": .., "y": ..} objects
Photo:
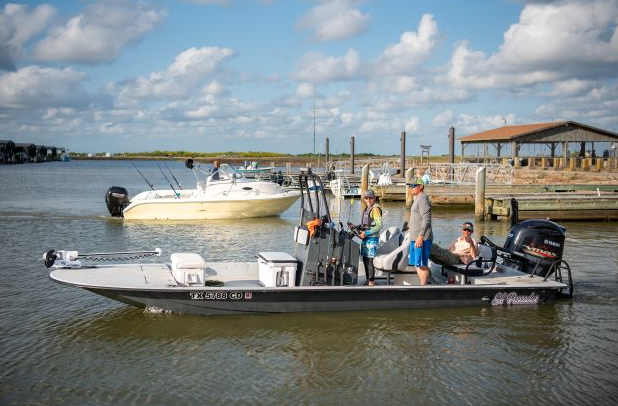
[{"x": 327, "y": 253}]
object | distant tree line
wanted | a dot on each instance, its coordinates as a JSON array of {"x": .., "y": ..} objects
[{"x": 228, "y": 154}]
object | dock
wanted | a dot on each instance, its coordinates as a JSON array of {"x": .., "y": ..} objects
[
  {"x": 580, "y": 206},
  {"x": 555, "y": 202}
]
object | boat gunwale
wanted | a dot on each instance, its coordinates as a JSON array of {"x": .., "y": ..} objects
[{"x": 549, "y": 284}]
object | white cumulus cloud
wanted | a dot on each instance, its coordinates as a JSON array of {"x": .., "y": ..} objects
[
  {"x": 443, "y": 119},
  {"x": 412, "y": 50},
  {"x": 17, "y": 26},
  {"x": 334, "y": 20},
  {"x": 39, "y": 87},
  {"x": 316, "y": 67},
  {"x": 554, "y": 41},
  {"x": 182, "y": 78},
  {"x": 99, "y": 33}
]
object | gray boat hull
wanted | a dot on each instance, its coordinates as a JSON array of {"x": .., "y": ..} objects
[{"x": 221, "y": 301}]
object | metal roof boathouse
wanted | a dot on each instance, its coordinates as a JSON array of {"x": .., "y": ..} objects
[{"x": 567, "y": 143}]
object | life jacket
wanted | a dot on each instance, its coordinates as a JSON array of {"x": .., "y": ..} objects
[{"x": 366, "y": 221}]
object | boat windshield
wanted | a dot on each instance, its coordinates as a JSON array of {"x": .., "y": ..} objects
[{"x": 226, "y": 172}]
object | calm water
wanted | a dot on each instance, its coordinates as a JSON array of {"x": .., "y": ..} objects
[{"x": 65, "y": 346}]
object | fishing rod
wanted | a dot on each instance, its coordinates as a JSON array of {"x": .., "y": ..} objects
[
  {"x": 176, "y": 194},
  {"x": 170, "y": 171},
  {"x": 143, "y": 177}
]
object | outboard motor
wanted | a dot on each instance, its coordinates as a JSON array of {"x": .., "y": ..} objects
[
  {"x": 536, "y": 245},
  {"x": 116, "y": 199}
]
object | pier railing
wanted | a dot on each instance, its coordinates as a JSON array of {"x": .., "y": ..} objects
[{"x": 464, "y": 173}]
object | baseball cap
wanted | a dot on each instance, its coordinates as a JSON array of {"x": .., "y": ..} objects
[
  {"x": 467, "y": 226},
  {"x": 369, "y": 193}
]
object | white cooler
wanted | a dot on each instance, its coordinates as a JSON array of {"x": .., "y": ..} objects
[{"x": 277, "y": 269}]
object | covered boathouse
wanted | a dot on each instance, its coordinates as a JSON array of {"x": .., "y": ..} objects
[{"x": 561, "y": 144}]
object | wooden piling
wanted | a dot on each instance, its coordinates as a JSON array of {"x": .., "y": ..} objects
[
  {"x": 352, "y": 155},
  {"x": 327, "y": 149},
  {"x": 479, "y": 195},
  {"x": 409, "y": 177},
  {"x": 402, "y": 153},
  {"x": 364, "y": 185}
]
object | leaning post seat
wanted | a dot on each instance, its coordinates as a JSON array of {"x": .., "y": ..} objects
[
  {"x": 483, "y": 264},
  {"x": 188, "y": 268},
  {"x": 390, "y": 239}
]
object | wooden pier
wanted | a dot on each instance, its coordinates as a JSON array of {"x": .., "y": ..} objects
[
  {"x": 556, "y": 207},
  {"x": 556, "y": 202}
]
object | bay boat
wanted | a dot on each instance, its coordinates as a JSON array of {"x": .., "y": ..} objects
[
  {"x": 324, "y": 272},
  {"x": 252, "y": 170},
  {"x": 226, "y": 194}
]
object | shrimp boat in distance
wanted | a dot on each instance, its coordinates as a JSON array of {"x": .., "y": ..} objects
[
  {"x": 324, "y": 273},
  {"x": 224, "y": 194}
]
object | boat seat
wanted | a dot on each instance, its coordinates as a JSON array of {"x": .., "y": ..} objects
[
  {"x": 394, "y": 262},
  {"x": 390, "y": 239},
  {"x": 187, "y": 260},
  {"x": 483, "y": 264},
  {"x": 188, "y": 268}
]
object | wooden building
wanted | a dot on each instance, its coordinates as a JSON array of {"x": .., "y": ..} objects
[{"x": 561, "y": 139}]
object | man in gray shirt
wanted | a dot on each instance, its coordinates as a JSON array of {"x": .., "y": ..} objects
[{"x": 421, "y": 234}]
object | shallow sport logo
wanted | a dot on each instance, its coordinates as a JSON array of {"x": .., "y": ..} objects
[{"x": 512, "y": 298}]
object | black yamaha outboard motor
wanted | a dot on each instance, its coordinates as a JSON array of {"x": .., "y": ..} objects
[
  {"x": 116, "y": 199},
  {"x": 536, "y": 245}
]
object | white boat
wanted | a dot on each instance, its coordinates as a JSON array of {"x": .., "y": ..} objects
[
  {"x": 225, "y": 194},
  {"x": 324, "y": 273},
  {"x": 252, "y": 170}
]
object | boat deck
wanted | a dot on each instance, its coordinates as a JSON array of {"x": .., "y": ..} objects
[
  {"x": 243, "y": 275},
  {"x": 154, "y": 276}
]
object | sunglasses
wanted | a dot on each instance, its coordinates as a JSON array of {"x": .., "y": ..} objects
[{"x": 467, "y": 229}]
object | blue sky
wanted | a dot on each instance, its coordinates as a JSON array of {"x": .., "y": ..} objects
[{"x": 244, "y": 75}]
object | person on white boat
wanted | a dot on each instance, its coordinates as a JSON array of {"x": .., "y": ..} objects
[
  {"x": 425, "y": 177},
  {"x": 215, "y": 170},
  {"x": 371, "y": 224},
  {"x": 421, "y": 234}
]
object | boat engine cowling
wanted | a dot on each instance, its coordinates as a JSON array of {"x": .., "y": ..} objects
[
  {"x": 116, "y": 199},
  {"x": 537, "y": 244}
]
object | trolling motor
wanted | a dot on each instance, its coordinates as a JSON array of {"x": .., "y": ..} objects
[{"x": 71, "y": 259}]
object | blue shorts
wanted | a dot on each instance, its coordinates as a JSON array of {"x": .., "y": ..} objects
[{"x": 420, "y": 256}]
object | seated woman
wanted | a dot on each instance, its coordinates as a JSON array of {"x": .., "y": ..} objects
[
  {"x": 461, "y": 251},
  {"x": 465, "y": 246}
]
